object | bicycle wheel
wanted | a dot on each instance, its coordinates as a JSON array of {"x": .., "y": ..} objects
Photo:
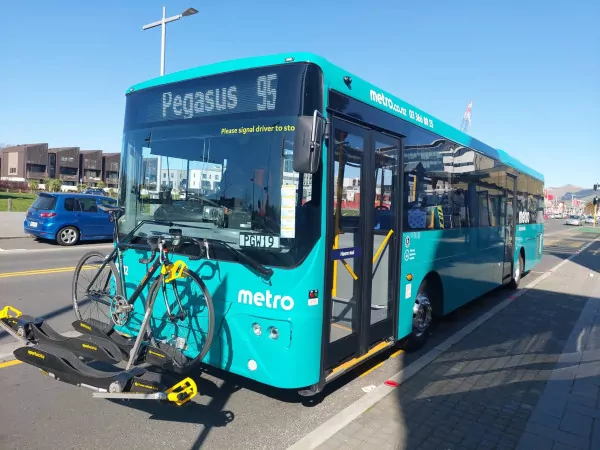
[
  {"x": 92, "y": 303},
  {"x": 186, "y": 341}
]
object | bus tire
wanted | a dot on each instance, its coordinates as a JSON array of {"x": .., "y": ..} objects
[
  {"x": 423, "y": 310},
  {"x": 518, "y": 272}
]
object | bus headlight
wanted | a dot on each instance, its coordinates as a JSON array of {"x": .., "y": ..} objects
[
  {"x": 257, "y": 329},
  {"x": 273, "y": 333}
]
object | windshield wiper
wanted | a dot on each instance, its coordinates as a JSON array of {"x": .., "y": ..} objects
[{"x": 266, "y": 271}]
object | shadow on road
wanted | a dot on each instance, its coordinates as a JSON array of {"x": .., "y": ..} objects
[
  {"x": 484, "y": 389},
  {"x": 481, "y": 392}
]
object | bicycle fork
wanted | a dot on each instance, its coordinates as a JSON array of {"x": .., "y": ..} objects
[{"x": 182, "y": 314}]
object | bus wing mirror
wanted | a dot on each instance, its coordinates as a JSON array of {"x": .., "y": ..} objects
[{"x": 308, "y": 142}]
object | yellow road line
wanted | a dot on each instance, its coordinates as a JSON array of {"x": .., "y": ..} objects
[
  {"x": 14, "y": 362},
  {"x": 43, "y": 271}
]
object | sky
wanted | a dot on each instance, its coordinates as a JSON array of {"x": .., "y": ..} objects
[{"x": 531, "y": 67}]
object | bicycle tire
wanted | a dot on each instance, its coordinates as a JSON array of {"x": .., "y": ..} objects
[
  {"x": 80, "y": 264},
  {"x": 153, "y": 292}
]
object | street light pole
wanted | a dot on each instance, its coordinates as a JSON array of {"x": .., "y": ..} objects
[
  {"x": 163, "y": 24},
  {"x": 162, "y": 41}
]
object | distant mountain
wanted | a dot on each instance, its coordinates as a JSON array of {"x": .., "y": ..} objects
[{"x": 564, "y": 193}]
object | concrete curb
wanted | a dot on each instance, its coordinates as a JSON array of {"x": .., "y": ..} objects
[{"x": 340, "y": 420}]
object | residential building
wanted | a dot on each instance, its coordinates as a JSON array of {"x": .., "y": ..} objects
[
  {"x": 90, "y": 167},
  {"x": 63, "y": 164},
  {"x": 111, "y": 163},
  {"x": 28, "y": 162},
  {"x": 207, "y": 179}
]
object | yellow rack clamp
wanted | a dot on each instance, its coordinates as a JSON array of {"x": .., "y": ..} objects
[
  {"x": 187, "y": 386},
  {"x": 173, "y": 271},
  {"x": 5, "y": 312}
]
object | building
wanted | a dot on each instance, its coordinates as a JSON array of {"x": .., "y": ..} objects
[
  {"x": 28, "y": 162},
  {"x": 90, "y": 167},
  {"x": 111, "y": 164},
  {"x": 150, "y": 173},
  {"x": 207, "y": 179},
  {"x": 63, "y": 164}
]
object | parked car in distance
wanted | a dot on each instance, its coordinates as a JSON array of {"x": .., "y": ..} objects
[
  {"x": 589, "y": 220},
  {"x": 94, "y": 191},
  {"x": 68, "y": 218},
  {"x": 575, "y": 220}
]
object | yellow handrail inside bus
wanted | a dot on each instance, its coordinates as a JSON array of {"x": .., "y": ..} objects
[
  {"x": 338, "y": 213},
  {"x": 382, "y": 246}
]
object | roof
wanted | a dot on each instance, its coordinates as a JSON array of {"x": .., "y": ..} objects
[
  {"x": 21, "y": 147},
  {"x": 74, "y": 194},
  {"x": 361, "y": 90},
  {"x": 61, "y": 149}
]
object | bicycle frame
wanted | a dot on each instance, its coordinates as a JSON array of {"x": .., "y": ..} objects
[{"x": 116, "y": 254}]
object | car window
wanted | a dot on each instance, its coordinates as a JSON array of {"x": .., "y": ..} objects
[
  {"x": 88, "y": 205},
  {"x": 69, "y": 204},
  {"x": 108, "y": 202},
  {"x": 44, "y": 202}
]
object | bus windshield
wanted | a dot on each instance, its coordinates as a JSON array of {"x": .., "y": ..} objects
[{"x": 228, "y": 177}]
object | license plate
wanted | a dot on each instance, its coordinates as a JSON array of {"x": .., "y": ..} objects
[
  {"x": 258, "y": 240},
  {"x": 33, "y": 224}
]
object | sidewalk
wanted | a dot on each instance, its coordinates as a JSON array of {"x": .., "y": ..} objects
[
  {"x": 527, "y": 378},
  {"x": 11, "y": 225}
]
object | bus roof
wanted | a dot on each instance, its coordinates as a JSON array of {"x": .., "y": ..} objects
[{"x": 361, "y": 90}]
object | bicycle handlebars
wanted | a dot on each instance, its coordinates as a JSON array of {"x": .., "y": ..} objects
[{"x": 159, "y": 243}]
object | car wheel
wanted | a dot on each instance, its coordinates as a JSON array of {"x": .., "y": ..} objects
[{"x": 67, "y": 236}]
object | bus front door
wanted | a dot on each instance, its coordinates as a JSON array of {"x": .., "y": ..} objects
[
  {"x": 364, "y": 231},
  {"x": 510, "y": 228}
]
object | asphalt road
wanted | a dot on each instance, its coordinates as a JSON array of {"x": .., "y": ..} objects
[{"x": 231, "y": 412}]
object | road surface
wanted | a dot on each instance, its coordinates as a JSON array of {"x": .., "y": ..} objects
[{"x": 232, "y": 412}]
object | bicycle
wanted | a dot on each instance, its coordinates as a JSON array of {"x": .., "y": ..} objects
[{"x": 167, "y": 353}]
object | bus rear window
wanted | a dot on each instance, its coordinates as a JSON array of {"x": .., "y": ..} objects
[{"x": 44, "y": 202}]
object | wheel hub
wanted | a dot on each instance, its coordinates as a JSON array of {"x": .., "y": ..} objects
[
  {"x": 422, "y": 313},
  {"x": 68, "y": 236}
]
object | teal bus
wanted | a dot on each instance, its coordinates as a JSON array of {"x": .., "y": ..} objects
[{"x": 372, "y": 216}]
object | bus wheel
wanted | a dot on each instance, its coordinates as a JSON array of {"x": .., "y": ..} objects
[
  {"x": 422, "y": 318},
  {"x": 518, "y": 273}
]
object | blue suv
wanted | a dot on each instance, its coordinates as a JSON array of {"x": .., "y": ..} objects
[{"x": 68, "y": 218}]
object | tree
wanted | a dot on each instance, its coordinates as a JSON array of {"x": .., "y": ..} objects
[
  {"x": 54, "y": 185},
  {"x": 33, "y": 185},
  {"x": 100, "y": 184}
]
